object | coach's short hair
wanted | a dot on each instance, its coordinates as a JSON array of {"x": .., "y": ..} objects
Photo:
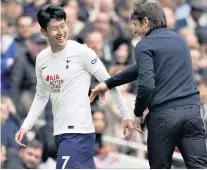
[
  {"x": 51, "y": 12},
  {"x": 153, "y": 12}
]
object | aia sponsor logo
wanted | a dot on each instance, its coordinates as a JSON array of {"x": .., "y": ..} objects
[
  {"x": 51, "y": 78},
  {"x": 55, "y": 82}
]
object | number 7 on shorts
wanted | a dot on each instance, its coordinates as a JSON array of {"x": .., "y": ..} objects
[{"x": 66, "y": 158}]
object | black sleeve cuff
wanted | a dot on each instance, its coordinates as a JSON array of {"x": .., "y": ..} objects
[
  {"x": 137, "y": 113},
  {"x": 109, "y": 83}
]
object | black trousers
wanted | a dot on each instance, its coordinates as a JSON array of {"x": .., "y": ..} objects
[{"x": 179, "y": 126}]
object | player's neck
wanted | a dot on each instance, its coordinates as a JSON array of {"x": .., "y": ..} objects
[{"x": 56, "y": 49}]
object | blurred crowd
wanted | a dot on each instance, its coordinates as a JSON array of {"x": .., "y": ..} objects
[{"x": 105, "y": 27}]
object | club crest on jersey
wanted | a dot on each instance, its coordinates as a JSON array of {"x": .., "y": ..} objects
[
  {"x": 67, "y": 63},
  {"x": 55, "y": 82}
]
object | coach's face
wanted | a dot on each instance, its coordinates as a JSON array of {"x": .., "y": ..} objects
[
  {"x": 141, "y": 27},
  {"x": 57, "y": 33}
]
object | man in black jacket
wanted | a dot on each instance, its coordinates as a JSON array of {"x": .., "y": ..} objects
[{"x": 167, "y": 88}]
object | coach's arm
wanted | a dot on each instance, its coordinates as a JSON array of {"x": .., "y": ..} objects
[
  {"x": 125, "y": 76},
  {"x": 146, "y": 81}
]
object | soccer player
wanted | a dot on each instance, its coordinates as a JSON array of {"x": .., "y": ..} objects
[
  {"x": 166, "y": 87},
  {"x": 63, "y": 73}
]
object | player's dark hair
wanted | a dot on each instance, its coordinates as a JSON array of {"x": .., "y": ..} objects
[
  {"x": 51, "y": 12},
  {"x": 153, "y": 12}
]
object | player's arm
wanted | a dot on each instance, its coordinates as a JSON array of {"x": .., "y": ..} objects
[
  {"x": 95, "y": 67},
  {"x": 40, "y": 100},
  {"x": 146, "y": 81}
]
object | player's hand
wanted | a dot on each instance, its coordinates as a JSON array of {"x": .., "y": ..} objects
[
  {"x": 99, "y": 90},
  {"x": 137, "y": 123},
  {"x": 127, "y": 125},
  {"x": 19, "y": 136}
]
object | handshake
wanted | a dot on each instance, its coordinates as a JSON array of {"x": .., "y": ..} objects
[{"x": 127, "y": 124}]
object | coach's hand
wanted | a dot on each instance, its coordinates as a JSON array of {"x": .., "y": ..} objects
[
  {"x": 99, "y": 90},
  {"x": 127, "y": 124},
  {"x": 19, "y": 136},
  {"x": 137, "y": 123}
]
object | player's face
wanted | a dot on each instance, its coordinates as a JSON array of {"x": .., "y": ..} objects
[
  {"x": 57, "y": 33},
  {"x": 141, "y": 28}
]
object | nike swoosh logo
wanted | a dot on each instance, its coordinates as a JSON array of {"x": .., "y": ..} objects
[{"x": 44, "y": 68}]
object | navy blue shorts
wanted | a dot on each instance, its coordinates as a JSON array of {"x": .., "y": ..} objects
[{"x": 75, "y": 151}]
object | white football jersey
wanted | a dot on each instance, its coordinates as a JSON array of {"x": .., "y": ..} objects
[{"x": 65, "y": 77}]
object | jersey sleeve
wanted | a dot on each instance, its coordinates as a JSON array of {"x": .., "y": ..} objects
[
  {"x": 40, "y": 100},
  {"x": 90, "y": 60}
]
